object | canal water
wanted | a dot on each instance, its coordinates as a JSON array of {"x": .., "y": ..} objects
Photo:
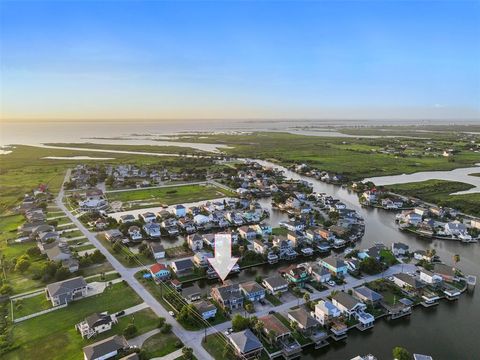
[{"x": 446, "y": 332}]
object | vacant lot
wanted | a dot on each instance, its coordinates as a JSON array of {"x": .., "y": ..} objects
[
  {"x": 135, "y": 199},
  {"x": 438, "y": 192},
  {"x": 160, "y": 345}
]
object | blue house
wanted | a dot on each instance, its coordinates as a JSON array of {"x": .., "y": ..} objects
[
  {"x": 180, "y": 211},
  {"x": 335, "y": 265},
  {"x": 206, "y": 309},
  {"x": 160, "y": 272},
  {"x": 252, "y": 291}
]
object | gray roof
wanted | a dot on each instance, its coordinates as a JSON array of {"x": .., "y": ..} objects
[
  {"x": 410, "y": 280},
  {"x": 245, "y": 341},
  {"x": 276, "y": 281},
  {"x": 364, "y": 292},
  {"x": 66, "y": 286},
  {"x": 98, "y": 319},
  {"x": 204, "y": 306},
  {"x": 345, "y": 299},
  {"x": 303, "y": 318},
  {"x": 229, "y": 292},
  {"x": 104, "y": 347},
  {"x": 334, "y": 261},
  {"x": 156, "y": 247},
  {"x": 183, "y": 264},
  {"x": 251, "y": 286}
]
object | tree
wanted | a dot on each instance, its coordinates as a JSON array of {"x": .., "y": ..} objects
[
  {"x": 130, "y": 331},
  {"x": 166, "y": 328},
  {"x": 239, "y": 323},
  {"x": 22, "y": 265},
  {"x": 33, "y": 251},
  {"x": 306, "y": 297},
  {"x": 161, "y": 322},
  {"x": 6, "y": 289},
  {"x": 400, "y": 353},
  {"x": 258, "y": 327},
  {"x": 187, "y": 353},
  {"x": 249, "y": 307},
  {"x": 456, "y": 259},
  {"x": 62, "y": 273}
]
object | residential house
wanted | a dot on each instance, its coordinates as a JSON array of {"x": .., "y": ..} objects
[
  {"x": 229, "y": 296},
  {"x": 335, "y": 265},
  {"x": 277, "y": 333},
  {"x": 160, "y": 272},
  {"x": 113, "y": 235},
  {"x": 319, "y": 273},
  {"x": 275, "y": 284},
  {"x": 148, "y": 217},
  {"x": 399, "y": 249},
  {"x": 135, "y": 233},
  {"x": 430, "y": 278},
  {"x": 95, "y": 324},
  {"x": 126, "y": 219},
  {"x": 456, "y": 228},
  {"x": 192, "y": 293},
  {"x": 367, "y": 295},
  {"x": 206, "y": 309},
  {"x": 325, "y": 312},
  {"x": 157, "y": 250},
  {"x": 182, "y": 267},
  {"x": 446, "y": 272},
  {"x": 260, "y": 247},
  {"x": 180, "y": 211},
  {"x": 297, "y": 275},
  {"x": 246, "y": 344},
  {"x": 294, "y": 238},
  {"x": 252, "y": 291},
  {"x": 349, "y": 306},
  {"x": 247, "y": 232},
  {"x": 57, "y": 251},
  {"x": 152, "y": 229},
  {"x": 200, "y": 259},
  {"x": 305, "y": 322},
  {"x": 406, "y": 281},
  {"x": 195, "y": 242},
  {"x": 63, "y": 292},
  {"x": 106, "y": 348}
]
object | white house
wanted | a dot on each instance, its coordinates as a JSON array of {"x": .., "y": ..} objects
[
  {"x": 429, "y": 277},
  {"x": 195, "y": 242},
  {"x": 135, "y": 233},
  {"x": 325, "y": 311}
]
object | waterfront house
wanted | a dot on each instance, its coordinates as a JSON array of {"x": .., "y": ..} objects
[
  {"x": 263, "y": 229},
  {"x": 63, "y": 292},
  {"x": 456, "y": 228},
  {"x": 148, "y": 217},
  {"x": 195, "y": 242},
  {"x": 335, "y": 265},
  {"x": 347, "y": 304},
  {"x": 182, "y": 267},
  {"x": 276, "y": 333},
  {"x": 319, "y": 273},
  {"x": 157, "y": 250},
  {"x": 446, "y": 272},
  {"x": 152, "y": 229},
  {"x": 135, "y": 233},
  {"x": 293, "y": 225},
  {"x": 159, "y": 272},
  {"x": 229, "y": 296},
  {"x": 206, "y": 309},
  {"x": 106, "y": 348},
  {"x": 294, "y": 238},
  {"x": 95, "y": 324},
  {"x": 252, "y": 291},
  {"x": 246, "y": 344},
  {"x": 305, "y": 322},
  {"x": 367, "y": 295},
  {"x": 407, "y": 282},
  {"x": 187, "y": 225},
  {"x": 413, "y": 218},
  {"x": 296, "y": 275},
  {"x": 247, "y": 233},
  {"x": 430, "y": 278},
  {"x": 200, "y": 259},
  {"x": 93, "y": 201},
  {"x": 275, "y": 284},
  {"x": 421, "y": 211},
  {"x": 399, "y": 249},
  {"x": 325, "y": 311},
  {"x": 260, "y": 247}
]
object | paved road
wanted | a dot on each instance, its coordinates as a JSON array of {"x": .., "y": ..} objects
[{"x": 190, "y": 339}]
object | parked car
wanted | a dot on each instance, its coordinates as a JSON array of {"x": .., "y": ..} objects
[
  {"x": 171, "y": 313},
  {"x": 271, "y": 312},
  {"x": 120, "y": 313},
  {"x": 331, "y": 283}
]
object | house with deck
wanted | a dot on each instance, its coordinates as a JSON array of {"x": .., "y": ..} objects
[
  {"x": 63, "y": 292},
  {"x": 246, "y": 344},
  {"x": 229, "y": 296},
  {"x": 335, "y": 265},
  {"x": 275, "y": 284},
  {"x": 252, "y": 291}
]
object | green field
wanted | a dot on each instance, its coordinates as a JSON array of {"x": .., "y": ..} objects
[
  {"x": 356, "y": 158},
  {"x": 135, "y": 199},
  {"x": 160, "y": 345},
  {"x": 53, "y": 336},
  {"x": 31, "y": 305},
  {"x": 438, "y": 192},
  {"x": 125, "y": 256}
]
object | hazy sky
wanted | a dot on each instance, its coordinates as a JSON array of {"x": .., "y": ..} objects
[{"x": 132, "y": 59}]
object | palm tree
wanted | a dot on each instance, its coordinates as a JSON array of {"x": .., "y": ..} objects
[
  {"x": 456, "y": 259},
  {"x": 431, "y": 253},
  {"x": 306, "y": 297},
  {"x": 258, "y": 327}
]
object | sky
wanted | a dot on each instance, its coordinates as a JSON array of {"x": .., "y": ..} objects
[{"x": 239, "y": 60}]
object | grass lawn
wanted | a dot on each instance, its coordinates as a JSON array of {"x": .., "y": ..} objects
[
  {"x": 145, "y": 320},
  {"x": 160, "y": 345},
  {"x": 107, "y": 277},
  {"x": 388, "y": 257},
  {"x": 215, "y": 345},
  {"x": 69, "y": 234},
  {"x": 280, "y": 231},
  {"x": 31, "y": 305},
  {"x": 438, "y": 192},
  {"x": 52, "y": 336},
  {"x": 135, "y": 199},
  {"x": 273, "y": 299}
]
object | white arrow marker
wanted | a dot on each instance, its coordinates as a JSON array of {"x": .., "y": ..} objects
[{"x": 223, "y": 262}]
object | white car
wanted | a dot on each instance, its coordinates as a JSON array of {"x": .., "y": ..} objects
[
  {"x": 172, "y": 314},
  {"x": 331, "y": 283}
]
